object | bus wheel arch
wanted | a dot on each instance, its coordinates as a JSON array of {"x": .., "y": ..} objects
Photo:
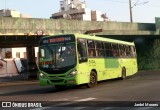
[
  {"x": 123, "y": 74},
  {"x": 93, "y": 79}
]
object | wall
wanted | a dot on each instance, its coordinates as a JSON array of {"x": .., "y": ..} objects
[
  {"x": 54, "y": 26},
  {"x": 157, "y": 24},
  {"x": 9, "y": 68}
]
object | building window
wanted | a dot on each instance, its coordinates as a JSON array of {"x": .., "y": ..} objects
[
  {"x": 62, "y": 8},
  {"x": 17, "y": 54}
]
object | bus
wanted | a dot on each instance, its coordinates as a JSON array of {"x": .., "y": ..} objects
[{"x": 76, "y": 59}]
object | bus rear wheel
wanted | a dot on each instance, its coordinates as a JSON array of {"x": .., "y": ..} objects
[
  {"x": 123, "y": 73},
  {"x": 93, "y": 80}
]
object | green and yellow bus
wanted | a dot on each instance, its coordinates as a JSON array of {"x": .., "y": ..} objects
[{"x": 75, "y": 59}]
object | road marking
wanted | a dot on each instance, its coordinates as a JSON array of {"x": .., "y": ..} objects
[
  {"x": 43, "y": 108},
  {"x": 107, "y": 108},
  {"x": 65, "y": 99},
  {"x": 145, "y": 108},
  {"x": 87, "y": 99},
  {"x": 75, "y": 101},
  {"x": 79, "y": 108},
  {"x": 67, "y": 103}
]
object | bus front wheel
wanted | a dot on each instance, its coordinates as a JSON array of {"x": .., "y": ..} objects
[
  {"x": 123, "y": 73},
  {"x": 93, "y": 80}
]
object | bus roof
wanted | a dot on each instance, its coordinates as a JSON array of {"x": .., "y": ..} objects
[{"x": 92, "y": 37}]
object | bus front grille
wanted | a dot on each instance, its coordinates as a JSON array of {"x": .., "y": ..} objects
[{"x": 57, "y": 81}]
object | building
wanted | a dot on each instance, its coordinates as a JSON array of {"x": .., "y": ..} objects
[
  {"x": 13, "y": 13},
  {"x": 74, "y": 9},
  {"x": 71, "y": 4},
  {"x": 13, "y": 60}
]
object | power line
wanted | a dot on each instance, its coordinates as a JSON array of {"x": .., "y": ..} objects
[{"x": 136, "y": 3}]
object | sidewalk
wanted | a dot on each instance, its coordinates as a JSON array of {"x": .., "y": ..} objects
[
  {"x": 149, "y": 72},
  {"x": 16, "y": 80},
  {"x": 2, "y": 84}
]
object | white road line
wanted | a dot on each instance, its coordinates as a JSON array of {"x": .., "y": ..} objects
[
  {"x": 75, "y": 101},
  {"x": 107, "y": 108},
  {"x": 79, "y": 108},
  {"x": 145, "y": 108},
  {"x": 65, "y": 99},
  {"x": 43, "y": 108},
  {"x": 66, "y": 103},
  {"x": 87, "y": 99}
]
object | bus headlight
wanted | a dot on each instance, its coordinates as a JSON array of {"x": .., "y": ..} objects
[
  {"x": 72, "y": 73},
  {"x": 42, "y": 75}
]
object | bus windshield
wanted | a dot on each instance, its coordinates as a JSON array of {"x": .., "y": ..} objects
[{"x": 55, "y": 57}]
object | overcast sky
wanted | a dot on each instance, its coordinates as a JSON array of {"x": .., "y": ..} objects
[{"x": 117, "y": 10}]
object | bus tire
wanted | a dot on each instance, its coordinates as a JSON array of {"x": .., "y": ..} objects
[
  {"x": 123, "y": 74},
  {"x": 60, "y": 87},
  {"x": 93, "y": 80}
]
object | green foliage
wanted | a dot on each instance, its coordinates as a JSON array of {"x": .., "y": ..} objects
[{"x": 149, "y": 55}]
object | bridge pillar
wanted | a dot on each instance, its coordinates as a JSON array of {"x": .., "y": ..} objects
[{"x": 31, "y": 62}]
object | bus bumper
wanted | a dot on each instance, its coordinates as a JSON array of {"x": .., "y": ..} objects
[{"x": 64, "y": 81}]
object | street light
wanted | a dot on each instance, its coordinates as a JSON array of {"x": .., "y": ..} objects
[{"x": 131, "y": 6}]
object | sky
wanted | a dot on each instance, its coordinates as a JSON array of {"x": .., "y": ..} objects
[{"x": 116, "y": 10}]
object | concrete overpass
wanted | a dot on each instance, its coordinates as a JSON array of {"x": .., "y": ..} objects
[
  {"x": 55, "y": 26},
  {"x": 26, "y": 32}
]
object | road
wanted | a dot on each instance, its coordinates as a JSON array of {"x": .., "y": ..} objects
[{"x": 142, "y": 87}]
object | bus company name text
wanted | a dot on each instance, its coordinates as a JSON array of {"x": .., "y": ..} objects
[{"x": 20, "y": 105}]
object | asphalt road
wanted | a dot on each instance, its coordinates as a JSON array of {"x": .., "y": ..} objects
[{"x": 144, "y": 87}]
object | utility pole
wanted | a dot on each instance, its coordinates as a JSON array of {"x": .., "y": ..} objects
[
  {"x": 4, "y": 8},
  {"x": 130, "y": 8}
]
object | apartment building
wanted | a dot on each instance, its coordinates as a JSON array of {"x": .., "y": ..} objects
[{"x": 75, "y": 9}]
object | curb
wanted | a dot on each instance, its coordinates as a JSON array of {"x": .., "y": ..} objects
[{"x": 2, "y": 84}]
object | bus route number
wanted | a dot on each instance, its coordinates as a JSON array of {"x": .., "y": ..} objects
[{"x": 68, "y": 39}]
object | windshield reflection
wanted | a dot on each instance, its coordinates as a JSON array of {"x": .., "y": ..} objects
[{"x": 57, "y": 56}]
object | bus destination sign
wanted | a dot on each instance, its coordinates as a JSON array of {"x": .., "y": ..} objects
[{"x": 57, "y": 39}]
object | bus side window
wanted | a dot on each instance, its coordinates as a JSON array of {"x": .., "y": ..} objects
[
  {"x": 82, "y": 50},
  {"x": 134, "y": 51},
  {"x": 115, "y": 50},
  {"x": 122, "y": 52},
  {"x": 128, "y": 51},
  {"x": 99, "y": 49},
  {"x": 91, "y": 49},
  {"x": 108, "y": 48}
]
